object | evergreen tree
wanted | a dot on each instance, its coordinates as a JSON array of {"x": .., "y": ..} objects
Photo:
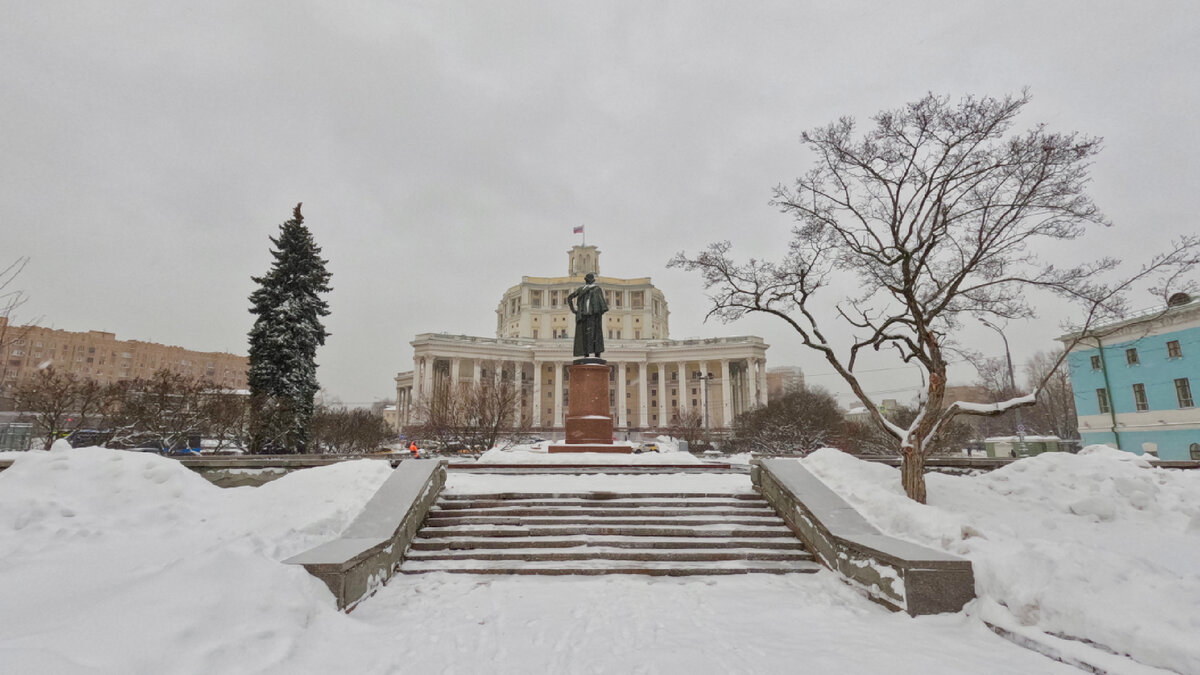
[{"x": 284, "y": 340}]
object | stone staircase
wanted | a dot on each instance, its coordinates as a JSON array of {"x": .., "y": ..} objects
[{"x": 670, "y": 534}]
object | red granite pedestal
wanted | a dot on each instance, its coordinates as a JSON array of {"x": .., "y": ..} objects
[{"x": 589, "y": 421}]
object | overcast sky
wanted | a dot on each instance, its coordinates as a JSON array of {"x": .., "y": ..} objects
[{"x": 442, "y": 150}]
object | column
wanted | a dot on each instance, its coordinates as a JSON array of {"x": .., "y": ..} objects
[
  {"x": 643, "y": 391},
  {"x": 726, "y": 395},
  {"x": 752, "y": 383},
  {"x": 519, "y": 390},
  {"x": 682, "y": 389},
  {"x": 536, "y": 409},
  {"x": 558, "y": 394},
  {"x": 662, "y": 395},
  {"x": 620, "y": 397},
  {"x": 427, "y": 385},
  {"x": 455, "y": 369},
  {"x": 476, "y": 368},
  {"x": 761, "y": 385}
]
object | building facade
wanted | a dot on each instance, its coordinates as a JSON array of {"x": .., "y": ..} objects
[
  {"x": 783, "y": 379},
  {"x": 102, "y": 357},
  {"x": 1134, "y": 386},
  {"x": 655, "y": 381}
]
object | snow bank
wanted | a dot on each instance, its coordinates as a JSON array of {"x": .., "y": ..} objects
[
  {"x": 1097, "y": 546},
  {"x": 116, "y": 561}
]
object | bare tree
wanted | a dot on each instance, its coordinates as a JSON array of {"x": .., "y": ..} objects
[
  {"x": 224, "y": 417},
  {"x": 688, "y": 426},
  {"x": 11, "y": 335},
  {"x": 475, "y": 416},
  {"x": 60, "y": 402},
  {"x": 865, "y": 438},
  {"x": 800, "y": 421},
  {"x": 931, "y": 217},
  {"x": 342, "y": 431},
  {"x": 160, "y": 411},
  {"x": 1055, "y": 409}
]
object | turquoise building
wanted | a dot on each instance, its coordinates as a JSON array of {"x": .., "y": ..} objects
[{"x": 1135, "y": 382}]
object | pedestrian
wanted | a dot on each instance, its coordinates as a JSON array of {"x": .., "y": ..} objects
[{"x": 416, "y": 452}]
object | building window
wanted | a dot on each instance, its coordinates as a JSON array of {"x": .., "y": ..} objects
[
  {"x": 1183, "y": 391},
  {"x": 1194, "y": 451},
  {"x": 534, "y": 333},
  {"x": 1131, "y": 356},
  {"x": 1102, "y": 400},
  {"x": 1096, "y": 362},
  {"x": 1173, "y": 350},
  {"x": 535, "y": 299},
  {"x": 637, "y": 299},
  {"x": 1139, "y": 397}
]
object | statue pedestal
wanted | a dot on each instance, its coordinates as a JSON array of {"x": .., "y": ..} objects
[{"x": 589, "y": 422}]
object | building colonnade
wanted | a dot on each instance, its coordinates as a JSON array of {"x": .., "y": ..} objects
[{"x": 651, "y": 388}]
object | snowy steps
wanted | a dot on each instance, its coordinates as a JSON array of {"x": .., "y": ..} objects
[{"x": 669, "y": 534}]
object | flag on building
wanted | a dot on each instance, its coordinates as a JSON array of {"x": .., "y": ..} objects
[{"x": 577, "y": 230}]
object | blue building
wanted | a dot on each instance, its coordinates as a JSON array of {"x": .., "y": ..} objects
[{"x": 1136, "y": 381}]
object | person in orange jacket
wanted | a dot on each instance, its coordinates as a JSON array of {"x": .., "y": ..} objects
[{"x": 414, "y": 450}]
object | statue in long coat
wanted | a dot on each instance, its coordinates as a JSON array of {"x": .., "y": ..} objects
[{"x": 589, "y": 316}]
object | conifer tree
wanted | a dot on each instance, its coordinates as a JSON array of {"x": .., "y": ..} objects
[{"x": 284, "y": 340}]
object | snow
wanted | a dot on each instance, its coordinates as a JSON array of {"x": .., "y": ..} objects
[
  {"x": 118, "y": 562},
  {"x": 538, "y": 453},
  {"x": 1097, "y": 546}
]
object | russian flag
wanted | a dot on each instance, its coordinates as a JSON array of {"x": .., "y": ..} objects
[{"x": 577, "y": 230}]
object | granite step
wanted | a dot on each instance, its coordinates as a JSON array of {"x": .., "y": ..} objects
[
  {"x": 531, "y": 521},
  {"x": 708, "y": 543},
  {"x": 591, "y": 533},
  {"x": 596, "y": 567},
  {"x": 613, "y": 553},
  {"x": 716, "y": 531}
]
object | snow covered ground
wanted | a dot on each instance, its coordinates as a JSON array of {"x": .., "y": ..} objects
[
  {"x": 1096, "y": 546},
  {"x": 117, "y": 562}
]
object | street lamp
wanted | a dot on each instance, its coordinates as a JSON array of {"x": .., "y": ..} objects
[
  {"x": 707, "y": 378},
  {"x": 1012, "y": 382}
]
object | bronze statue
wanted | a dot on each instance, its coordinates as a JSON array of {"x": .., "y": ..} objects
[{"x": 589, "y": 317}]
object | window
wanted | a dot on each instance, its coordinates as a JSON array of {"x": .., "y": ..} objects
[
  {"x": 1096, "y": 362},
  {"x": 637, "y": 299},
  {"x": 535, "y": 299},
  {"x": 1183, "y": 391},
  {"x": 1139, "y": 397},
  {"x": 1131, "y": 356},
  {"x": 1194, "y": 451},
  {"x": 534, "y": 333},
  {"x": 1173, "y": 350},
  {"x": 1102, "y": 399}
]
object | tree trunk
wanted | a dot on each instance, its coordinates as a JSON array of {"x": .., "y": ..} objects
[{"x": 912, "y": 473}]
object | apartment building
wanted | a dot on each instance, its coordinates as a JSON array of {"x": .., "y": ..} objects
[{"x": 101, "y": 356}]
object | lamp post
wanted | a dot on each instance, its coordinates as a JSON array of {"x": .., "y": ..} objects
[
  {"x": 1012, "y": 382},
  {"x": 707, "y": 378}
]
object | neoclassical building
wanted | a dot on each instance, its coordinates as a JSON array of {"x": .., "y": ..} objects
[{"x": 658, "y": 380}]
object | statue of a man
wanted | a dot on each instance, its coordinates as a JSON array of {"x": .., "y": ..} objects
[{"x": 589, "y": 317}]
